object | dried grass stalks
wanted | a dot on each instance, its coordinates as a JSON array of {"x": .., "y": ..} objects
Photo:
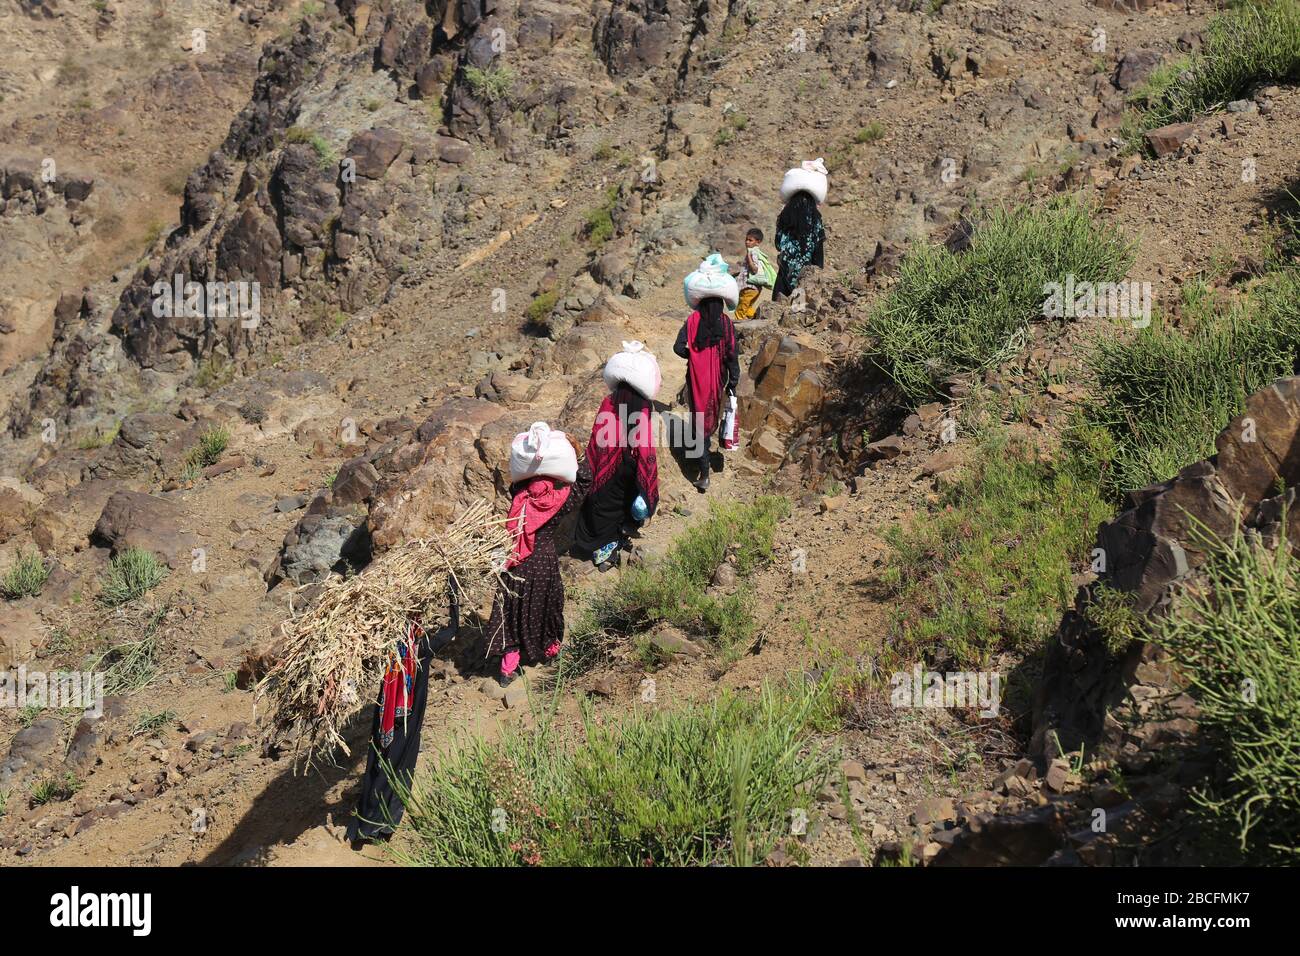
[{"x": 333, "y": 653}]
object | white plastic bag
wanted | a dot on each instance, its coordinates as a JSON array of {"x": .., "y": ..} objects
[{"x": 729, "y": 424}]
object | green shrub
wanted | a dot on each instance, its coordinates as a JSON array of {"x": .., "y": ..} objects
[
  {"x": 991, "y": 569},
  {"x": 212, "y": 445},
  {"x": 1244, "y": 47},
  {"x": 25, "y": 577},
  {"x": 1237, "y": 641},
  {"x": 871, "y": 133},
  {"x": 539, "y": 310},
  {"x": 491, "y": 84},
  {"x": 710, "y": 783},
  {"x": 599, "y": 225},
  {"x": 673, "y": 589},
  {"x": 1111, "y": 613},
  {"x": 970, "y": 311},
  {"x": 213, "y": 372},
  {"x": 325, "y": 155},
  {"x": 131, "y": 574},
  {"x": 1159, "y": 397}
]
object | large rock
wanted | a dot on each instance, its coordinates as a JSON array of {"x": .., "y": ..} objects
[
  {"x": 18, "y": 502},
  {"x": 782, "y": 389},
  {"x": 1156, "y": 543},
  {"x": 132, "y": 519},
  {"x": 1134, "y": 68},
  {"x": 33, "y": 749},
  {"x": 317, "y": 545},
  {"x": 449, "y": 472},
  {"x": 374, "y": 150},
  {"x": 1168, "y": 139},
  {"x": 64, "y": 523},
  {"x": 22, "y": 632},
  {"x": 355, "y": 482}
]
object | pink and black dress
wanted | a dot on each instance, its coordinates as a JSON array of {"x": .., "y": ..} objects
[
  {"x": 621, "y": 454},
  {"x": 707, "y": 341},
  {"x": 527, "y": 623}
]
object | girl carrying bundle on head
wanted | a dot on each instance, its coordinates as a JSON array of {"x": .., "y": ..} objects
[
  {"x": 707, "y": 341},
  {"x": 621, "y": 453},
  {"x": 548, "y": 480},
  {"x": 799, "y": 231}
]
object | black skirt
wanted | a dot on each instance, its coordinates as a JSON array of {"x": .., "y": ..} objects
[{"x": 606, "y": 511}]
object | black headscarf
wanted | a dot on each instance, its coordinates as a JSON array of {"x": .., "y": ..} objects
[
  {"x": 709, "y": 331},
  {"x": 800, "y": 217}
]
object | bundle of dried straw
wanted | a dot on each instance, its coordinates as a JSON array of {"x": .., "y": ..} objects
[{"x": 333, "y": 653}]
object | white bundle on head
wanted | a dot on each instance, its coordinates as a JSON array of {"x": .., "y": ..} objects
[
  {"x": 542, "y": 453},
  {"x": 809, "y": 176},
  {"x": 711, "y": 279},
  {"x": 635, "y": 367}
]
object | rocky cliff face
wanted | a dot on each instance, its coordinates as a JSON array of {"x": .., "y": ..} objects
[
  {"x": 330, "y": 189},
  {"x": 1150, "y": 550}
]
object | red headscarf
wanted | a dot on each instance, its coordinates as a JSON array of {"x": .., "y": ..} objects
[{"x": 534, "y": 504}]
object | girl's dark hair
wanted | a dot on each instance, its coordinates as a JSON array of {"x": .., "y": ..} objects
[
  {"x": 756, "y": 234},
  {"x": 800, "y": 215},
  {"x": 709, "y": 331}
]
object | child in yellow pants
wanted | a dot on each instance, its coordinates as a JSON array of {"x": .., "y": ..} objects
[{"x": 756, "y": 273}]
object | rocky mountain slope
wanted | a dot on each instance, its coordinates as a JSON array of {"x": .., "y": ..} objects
[{"x": 452, "y": 213}]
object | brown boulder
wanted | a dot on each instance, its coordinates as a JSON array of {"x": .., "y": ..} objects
[
  {"x": 374, "y": 150},
  {"x": 1261, "y": 446},
  {"x": 132, "y": 519},
  {"x": 1167, "y": 139}
]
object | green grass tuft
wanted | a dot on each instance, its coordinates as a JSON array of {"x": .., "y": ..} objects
[
  {"x": 1244, "y": 47},
  {"x": 325, "y": 155},
  {"x": 871, "y": 133},
  {"x": 212, "y": 445},
  {"x": 150, "y": 723},
  {"x": 25, "y": 577},
  {"x": 1160, "y": 396},
  {"x": 53, "y": 789},
  {"x": 971, "y": 311},
  {"x": 710, "y": 783},
  {"x": 491, "y": 84},
  {"x": 991, "y": 569},
  {"x": 131, "y": 574},
  {"x": 673, "y": 589}
]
